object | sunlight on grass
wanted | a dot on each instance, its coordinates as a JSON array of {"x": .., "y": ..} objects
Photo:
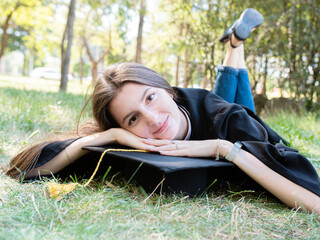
[
  {"x": 302, "y": 131},
  {"x": 121, "y": 213},
  {"x": 26, "y": 108},
  {"x": 37, "y": 84}
]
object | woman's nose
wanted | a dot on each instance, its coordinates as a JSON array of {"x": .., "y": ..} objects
[{"x": 152, "y": 118}]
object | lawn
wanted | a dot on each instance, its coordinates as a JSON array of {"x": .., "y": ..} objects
[{"x": 31, "y": 109}]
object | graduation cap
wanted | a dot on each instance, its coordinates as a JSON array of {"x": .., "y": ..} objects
[{"x": 166, "y": 174}]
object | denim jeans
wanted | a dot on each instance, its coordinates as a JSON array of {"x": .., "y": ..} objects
[{"x": 233, "y": 86}]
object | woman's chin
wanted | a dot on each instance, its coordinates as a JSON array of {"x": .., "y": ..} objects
[
  {"x": 167, "y": 136},
  {"x": 175, "y": 136}
]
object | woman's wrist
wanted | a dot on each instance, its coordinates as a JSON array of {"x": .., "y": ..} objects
[
  {"x": 102, "y": 138},
  {"x": 232, "y": 154},
  {"x": 97, "y": 139},
  {"x": 225, "y": 147}
]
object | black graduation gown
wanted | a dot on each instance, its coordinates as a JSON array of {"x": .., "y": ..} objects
[{"x": 211, "y": 118}]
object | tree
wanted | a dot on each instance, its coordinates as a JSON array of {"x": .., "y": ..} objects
[
  {"x": 27, "y": 27},
  {"x": 95, "y": 62},
  {"x": 9, "y": 9},
  {"x": 203, "y": 28},
  {"x": 300, "y": 50},
  {"x": 102, "y": 27},
  {"x": 66, "y": 44},
  {"x": 140, "y": 30},
  {"x": 4, "y": 39}
]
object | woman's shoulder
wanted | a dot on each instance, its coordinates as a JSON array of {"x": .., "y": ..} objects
[
  {"x": 197, "y": 94},
  {"x": 190, "y": 90}
]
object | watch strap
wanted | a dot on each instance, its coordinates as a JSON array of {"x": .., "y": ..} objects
[{"x": 233, "y": 152}]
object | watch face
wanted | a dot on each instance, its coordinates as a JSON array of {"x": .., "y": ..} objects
[{"x": 238, "y": 144}]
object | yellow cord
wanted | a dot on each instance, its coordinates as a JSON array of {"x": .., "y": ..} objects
[
  {"x": 56, "y": 190},
  {"x": 108, "y": 150}
]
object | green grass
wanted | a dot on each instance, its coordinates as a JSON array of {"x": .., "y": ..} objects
[
  {"x": 125, "y": 212},
  {"x": 25, "y": 111},
  {"x": 301, "y": 131}
]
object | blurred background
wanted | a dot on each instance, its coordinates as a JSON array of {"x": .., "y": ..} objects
[{"x": 74, "y": 40}]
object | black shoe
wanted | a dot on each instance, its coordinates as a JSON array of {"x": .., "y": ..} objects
[
  {"x": 249, "y": 19},
  {"x": 226, "y": 35}
]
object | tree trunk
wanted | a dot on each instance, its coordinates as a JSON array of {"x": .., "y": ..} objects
[
  {"x": 292, "y": 50},
  {"x": 140, "y": 30},
  {"x": 4, "y": 39},
  {"x": 254, "y": 73},
  {"x": 66, "y": 51},
  {"x": 264, "y": 79},
  {"x": 94, "y": 71},
  {"x": 177, "y": 71},
  {"x": 212, "y": 67},
  {"x": 204, "y": 82},
  {"x": 186, "y": 60},
  {"x": 178, "y": 58},
  {"x": 81, "y": 65},
  {"x": 186, "y": 68},
  {"x": 25, "y": 70},
  {"x": 95, "y": 63}
]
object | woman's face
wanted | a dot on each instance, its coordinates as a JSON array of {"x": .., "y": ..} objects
[{"x": 148, "y": 112}]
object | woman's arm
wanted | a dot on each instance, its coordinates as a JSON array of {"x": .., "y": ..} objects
[
  {"x": 74, "y": 150},
  {"x": 285, "y": 190}
]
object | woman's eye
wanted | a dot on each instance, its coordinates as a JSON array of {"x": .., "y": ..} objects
[
  {"x": 132, "y": 120},
  {"x": 150, "y": 97}
]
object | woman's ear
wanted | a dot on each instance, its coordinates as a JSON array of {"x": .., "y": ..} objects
[{"x": 170, "y": 94}]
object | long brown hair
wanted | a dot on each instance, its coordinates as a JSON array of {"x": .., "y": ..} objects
[{"x": 105, "y": 89}]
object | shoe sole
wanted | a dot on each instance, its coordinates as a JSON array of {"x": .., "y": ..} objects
[{"x": 250, "y": 19}]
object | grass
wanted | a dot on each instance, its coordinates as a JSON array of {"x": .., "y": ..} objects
[{"x": 30, "y": 111}]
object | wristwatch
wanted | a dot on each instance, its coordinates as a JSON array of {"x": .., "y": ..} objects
[{"x": 233, "y": 152}]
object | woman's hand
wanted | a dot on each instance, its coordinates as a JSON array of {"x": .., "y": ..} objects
[
  {"x": 113, "y": 135},
  {"x": 126, "y": 138},
  {"x": 204, "y": 148}
]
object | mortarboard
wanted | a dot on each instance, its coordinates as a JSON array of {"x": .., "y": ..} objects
[{"x": 167, "y": 174}]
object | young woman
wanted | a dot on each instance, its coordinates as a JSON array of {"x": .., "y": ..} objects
[{"x": 134, "y": 106}]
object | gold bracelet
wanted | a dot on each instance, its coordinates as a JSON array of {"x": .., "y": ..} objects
[{"x": 217, "y": 156}]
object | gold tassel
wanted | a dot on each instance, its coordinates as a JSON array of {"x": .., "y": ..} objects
[{"x": 57, "y": 191}]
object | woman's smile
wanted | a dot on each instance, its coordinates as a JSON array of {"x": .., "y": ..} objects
[{"x": 163, "y": 127}]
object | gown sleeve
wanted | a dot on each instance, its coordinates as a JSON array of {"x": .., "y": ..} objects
[
  {"x": 236, "y": 123},
  {"x": 52, "y": 150}
]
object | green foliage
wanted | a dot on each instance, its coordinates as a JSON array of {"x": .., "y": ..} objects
[
  {"x": 16, "y": 43},
  {"x": 27, "y": 26},
  {"x": 86, "y": 69},
  {"x": 179, "y": 38}
]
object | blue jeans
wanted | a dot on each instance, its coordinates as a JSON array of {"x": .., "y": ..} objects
[{"x": 233, "y": 86}]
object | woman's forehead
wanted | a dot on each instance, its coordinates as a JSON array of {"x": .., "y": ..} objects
[
  {"x": 127, "y": 99},
  {"x": 132, "y": 88},
  {"x": 127, "y": 95}
]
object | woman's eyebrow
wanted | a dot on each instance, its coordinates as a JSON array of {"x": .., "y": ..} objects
[
  {"x": 145, "y": 93},
  {"x": 142, "y": 98}
]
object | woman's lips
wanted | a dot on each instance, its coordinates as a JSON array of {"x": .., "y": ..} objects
[{"x": 163, "y": 127}]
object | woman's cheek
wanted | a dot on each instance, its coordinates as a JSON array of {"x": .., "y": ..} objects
[
  {"x": 175, "y": 130},
  {"x": 142, "y": 132}
]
